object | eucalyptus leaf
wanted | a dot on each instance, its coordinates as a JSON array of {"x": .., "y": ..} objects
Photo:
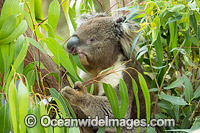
[
  {"x": 53, "y": 14},
  {"x": 176, "y": 83},
  {"x": 188, "y": 92},
  {"x": 173, "y": 99},
  {"x": 124, "y": 98},
  {"x": 16, "y": 33},
  {"x": 197, "y": 93}
]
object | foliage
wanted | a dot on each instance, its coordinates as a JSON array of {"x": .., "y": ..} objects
[{"x": 170, "y": 56}]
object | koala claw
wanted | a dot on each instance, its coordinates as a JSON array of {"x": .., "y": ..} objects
[
  {"x": 67, "y": 91},
  {"x": 79, "y": 86},
  {"x": 75, "y": 96}
]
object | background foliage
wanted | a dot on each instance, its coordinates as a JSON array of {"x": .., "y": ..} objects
[{"x": 169, "y": 55}]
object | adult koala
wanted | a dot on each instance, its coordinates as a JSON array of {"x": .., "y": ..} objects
[{"x": 103, "y": 42}]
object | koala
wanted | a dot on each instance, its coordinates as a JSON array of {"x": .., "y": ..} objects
[{"x": 104, "y": 42}]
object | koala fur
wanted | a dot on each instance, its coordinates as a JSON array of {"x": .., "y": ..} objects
[{"x": 103, "y": 42}]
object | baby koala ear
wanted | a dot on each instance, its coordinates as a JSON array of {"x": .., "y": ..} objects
[
  {"x": 86, "y": 17},
  {"x": 127, "y": 31}
]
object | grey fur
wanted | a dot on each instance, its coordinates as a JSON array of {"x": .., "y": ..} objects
[{"x": 104, "y": 42}]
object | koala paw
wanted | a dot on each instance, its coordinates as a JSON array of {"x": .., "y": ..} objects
[
  {"x": 77, "y": 95},
  {"x": 79, "y": 87}
]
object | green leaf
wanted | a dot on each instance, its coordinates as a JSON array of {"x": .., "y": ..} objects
[
  {"x": 37, "y": 128},
  {"x": 13, "y": 104},
  {"x": 153, "y": 90},
  {"x": 16, "y": 33},
  {"x": 166, "y": 105},
  {"x": 124, "y": 98},
  {"x": 36, "y": 44},
  {"x": 151, "y": 130},
  {"x": 65, "y": 7},
  {"x": 194, "y": 40},
  {"x": 19, "y": 45},
  {"x": 72, "y": 16},
  {"x": 135, "y": 42},
  {"x": 10, "y": 7},
  {"x": 8, "y": 26},
  {"x": 197, "y": 93},
  {"x": 91, "y": 89},
  {"x": 50, "y": 31},
  {"x": 57, "y": 129},
  {"x": 177, "y": 8},
  {"x": 188, "y": 60},
  {"x": 1, "y": 61},
  {"x": 173, "y": 39},
  {"x": 73, "y": 130},
  {"x": 30, "y": 9},
  {"x": 159, "y": 49},
  {"x": 61, "y": 108},
  {"x": 5, "y": 51},
  {"x": 18, "y": 60},
  {"x": 146, "y": 96},
  {"x": 176, "y": 83},
  {"x": 31, "y": 78},
  {"x": 188, "y": 92},
  {"x": 78, "y": 63},
  {"x": 56, "y": 95},
  {"x": 113, "y": 100},
  {"x": 53, "y": 14},
  {"x": 31, "y": 66},
  {"x": 23, "y": 99},
  {"x": 56, "y": 76},
  {"x": 101, "y": 130},
  {"x": 141, "y": 51},
  {"x": 173, "y": 99},
  {"x": 155, "y": 26},
  {"x": 38, "y": 10},
  {"x": 5, "y": 119},
  {"x": 135, "y": 90},
  {"x": 61, "y": 55}
]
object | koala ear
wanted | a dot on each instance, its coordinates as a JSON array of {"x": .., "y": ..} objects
[
  {"x": 85, "y": 17},
  {"x": 129, "y": 30}
]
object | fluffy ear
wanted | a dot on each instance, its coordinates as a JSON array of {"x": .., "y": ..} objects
[
  {"x": 85, "y": 17},
  {"x": 127, "y": 30}
]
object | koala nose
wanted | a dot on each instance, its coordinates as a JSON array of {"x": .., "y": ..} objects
[{"x": 72, "y": 42}]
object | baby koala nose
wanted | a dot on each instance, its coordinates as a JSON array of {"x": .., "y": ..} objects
[{"x": 72, "y": 42}]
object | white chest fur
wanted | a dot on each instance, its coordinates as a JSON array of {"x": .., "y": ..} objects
[{"x": 112, "y": 79}]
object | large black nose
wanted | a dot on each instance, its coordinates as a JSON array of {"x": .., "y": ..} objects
[{"x": 72, "y": 42}]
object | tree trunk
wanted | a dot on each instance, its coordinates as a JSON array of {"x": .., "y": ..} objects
[{"x": 48, "y": 80}]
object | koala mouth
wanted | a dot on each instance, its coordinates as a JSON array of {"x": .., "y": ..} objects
[
  {"x": 82, "y": 55},
  {"x": 83, "y": 58},
  {"x": 74, "y": 51}
]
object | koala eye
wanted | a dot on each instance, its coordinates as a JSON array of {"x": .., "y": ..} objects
[
  {"x": 89, "y": 41},
  {"x": 92, "y": 39}
]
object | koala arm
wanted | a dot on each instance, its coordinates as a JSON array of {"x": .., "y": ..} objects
[{"x": 91, "y": 105}]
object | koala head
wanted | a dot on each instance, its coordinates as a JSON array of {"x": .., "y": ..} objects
[{"x": 100, "y": 39}]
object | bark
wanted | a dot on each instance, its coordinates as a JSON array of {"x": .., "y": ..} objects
[{"x": 48, "y": 80}]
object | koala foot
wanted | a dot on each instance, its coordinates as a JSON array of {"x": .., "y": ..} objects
[{"x": 76, "y": 96}]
